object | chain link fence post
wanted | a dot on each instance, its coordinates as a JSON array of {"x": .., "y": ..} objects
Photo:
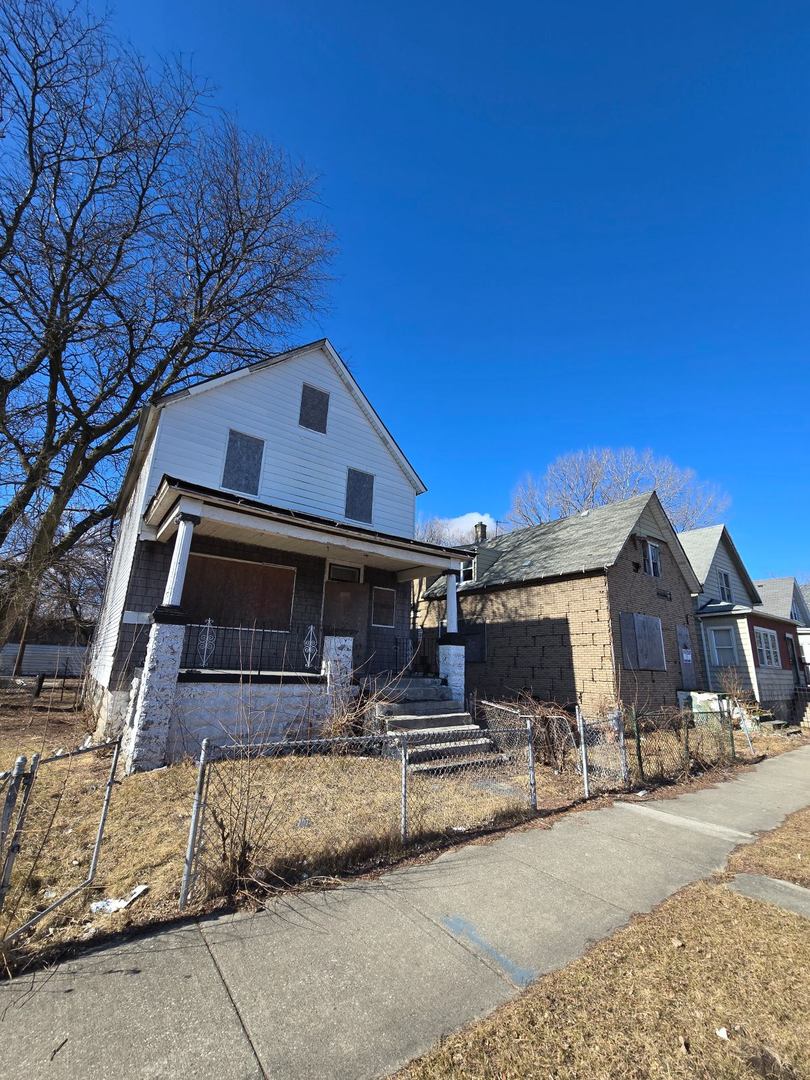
[
  {"x": 26, "y": 783},
  {"x": 403, "y": 807},
  {"x": 194, "y": 826},
  {"x": 531, "y": 763},
  {"x": 583, "y": 749},
  {"x": 637, "y": 738},
  {"x": 687, "y": 760},
  {"x": 11, "y": 800}
]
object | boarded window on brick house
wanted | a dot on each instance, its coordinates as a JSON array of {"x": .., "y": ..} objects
[
  {"x": 642, "y": 642},
  {"x": 474, "y": 637},
  {"x": 359, "y": 495},
  {"x": 243, "y": 463},
  {"x": 314, "y": 408}
]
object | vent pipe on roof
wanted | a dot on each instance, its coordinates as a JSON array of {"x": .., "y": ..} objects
[{"x": 480, "y": 532}]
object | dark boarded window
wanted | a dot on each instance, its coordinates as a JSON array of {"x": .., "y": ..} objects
[
  {"x": 474, "y": 636},
  {"x": 314, "y": 408},
  {"x": 383, "y": 602},
  {"x": 359, "y": 495},
  {"x": 234, "y": 593},
  {"x": 642, "y": 642},
  {"x": 243, "y": 463}
]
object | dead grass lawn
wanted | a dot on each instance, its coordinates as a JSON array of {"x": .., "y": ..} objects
[
  {"x": 647, "y": 1003},
  {"x": 783, "y": 853}
]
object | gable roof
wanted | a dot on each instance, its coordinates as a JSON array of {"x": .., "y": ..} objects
[
  {"x": 149, "y": 414},
  {"x": 779, "y": 596},
  {"x": 572, "y": 545},
  {"x": 701, "y": 546}
]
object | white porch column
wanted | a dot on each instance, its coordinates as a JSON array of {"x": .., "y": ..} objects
[
  {"x": 451, "y": 653},
  {"x": 173, "y": 593},
  {"x": 146, "y": 736},
  {"x": 452, "y": 602}
]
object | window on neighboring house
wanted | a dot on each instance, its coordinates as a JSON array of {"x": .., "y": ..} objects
[
  {"x": 314, "y": 408},
  {"x": 383, "y": 605},
  {"x": 725, "y": 585},
  {"x": 642, "y": 642},
  {"x": 243, "y": 463},
  {"x": 359, "y": 495},
  {"x": 795, "y": 614},
  {"x": 652, "y": 559},
  {"x": 767, "y": 647},
  {"x": 339, "y": 572},
  {"x": 724, "y": 648},
  {"x": 466, "y": 572}
]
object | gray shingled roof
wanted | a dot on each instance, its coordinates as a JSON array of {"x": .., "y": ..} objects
[
  {"x": 700, "y": 546},
  {"x": 573, "y": 545},
  {"x": 777, "y": 596}
]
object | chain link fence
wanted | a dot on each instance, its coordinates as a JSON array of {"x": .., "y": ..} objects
[
  {"x": 37, "y": 800},
  {"x": 273, "y": 814}
]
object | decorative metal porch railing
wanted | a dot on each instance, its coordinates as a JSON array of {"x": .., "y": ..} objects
[{"x": 208, "y": 647}]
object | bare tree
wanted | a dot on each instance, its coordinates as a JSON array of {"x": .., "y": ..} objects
[
  {"x": 588, "y": 478},
  {"x": 144, "y": 243},
  {"x": 435, "y": 530}
]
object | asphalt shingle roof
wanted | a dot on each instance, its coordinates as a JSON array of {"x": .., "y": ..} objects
[
  {"x": 589, "y": 541},
  {"x": 700, "y": 546}
]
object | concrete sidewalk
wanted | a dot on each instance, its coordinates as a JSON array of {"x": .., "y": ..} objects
[{"x": 356, "y": 982}]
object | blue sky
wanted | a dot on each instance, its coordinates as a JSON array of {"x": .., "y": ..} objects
[{"x": 560, "y": 225}]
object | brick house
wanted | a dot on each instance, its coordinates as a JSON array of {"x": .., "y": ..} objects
[
  {"x": 747, "y": 639},
  {"x": 591, "y": 609},
  {"x": 266, "y": 537}
]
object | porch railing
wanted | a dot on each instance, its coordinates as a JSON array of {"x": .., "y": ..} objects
[{"x": 208, "y": 647}]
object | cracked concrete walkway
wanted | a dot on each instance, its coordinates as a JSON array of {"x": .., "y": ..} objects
[{"x": 355, "y": 982}]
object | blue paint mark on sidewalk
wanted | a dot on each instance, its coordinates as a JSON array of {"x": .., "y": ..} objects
[{"x": 463, "y": 929}]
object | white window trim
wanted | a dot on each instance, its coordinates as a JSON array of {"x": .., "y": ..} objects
[
  {"x": 340, "y": 581},
  {"x": 240, "y": 491},
  {"x": 715, "y": 658},
  {"x": 321, "y": 390},
  {"x": 384, "y": 626},
  {"x": 725, "y": 586},
  {"x": 467, "y": 566},
  {"x": 765, "y": 653},
  {"x": 648, "y": 549}
]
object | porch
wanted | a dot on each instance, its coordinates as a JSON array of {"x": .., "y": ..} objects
[{"x": 265, "y": 595}]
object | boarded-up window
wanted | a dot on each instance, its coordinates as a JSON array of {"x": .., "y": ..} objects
[
  {"x": 243, "y": 463},
  {"x": 642, "y": 642},
  {"x": 314, "y": 408},
  {"x": 383, "y": 602},
  {"x": 232, "y": 593},
  {"x": 359, "y": 495}
]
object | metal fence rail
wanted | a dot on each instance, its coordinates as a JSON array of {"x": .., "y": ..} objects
[
  {"x": 279, "y": 812},
  {"x": 208, "y": 647}
]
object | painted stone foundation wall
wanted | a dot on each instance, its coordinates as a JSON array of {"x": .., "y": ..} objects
[{"x": 234, "y": 711}]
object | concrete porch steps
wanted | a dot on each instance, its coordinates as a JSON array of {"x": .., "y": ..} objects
[
  {"x": 421, "y": 722},
  {"x": 457, "y": 764}
]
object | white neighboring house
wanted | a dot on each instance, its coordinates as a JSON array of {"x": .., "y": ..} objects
[
  {"x": 741, "y": 636},
  {"x": 267, "y": 524}
]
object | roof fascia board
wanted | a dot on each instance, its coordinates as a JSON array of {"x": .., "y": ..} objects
[{"x": 741, "y": 570}]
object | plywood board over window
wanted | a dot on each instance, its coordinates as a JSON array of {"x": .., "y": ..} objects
[
  {"x": 642, "y": 642},
  {"x": 235, "y": 593}
]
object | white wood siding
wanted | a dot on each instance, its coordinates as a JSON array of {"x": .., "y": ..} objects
[
  {"x": 711, "y": 587},
  {"x": 742, "y": 643},
  {"x": 302, "y": 469},
  {"x": 106, "y": 635}
]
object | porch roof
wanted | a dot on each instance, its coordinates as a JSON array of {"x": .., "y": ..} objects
[{"x": 237, "y": 518}]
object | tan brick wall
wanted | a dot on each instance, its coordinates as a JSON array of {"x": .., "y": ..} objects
[
  {"x": 552, "y": 639},
  {"x": 630, "y": 589},
  {"x": 557, "y": 639}
]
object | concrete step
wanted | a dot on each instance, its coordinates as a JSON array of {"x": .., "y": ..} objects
[
  {"x": 384, "y": 683},
  {"x": 418, "y": 722},
  {"x": 434, "y": 733},
  {"x": 418, "y": 708},
  {"x": 417, "y": 693},
  {"x": 457, "y": 764},
  {"x": 456, "y": 748}
]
